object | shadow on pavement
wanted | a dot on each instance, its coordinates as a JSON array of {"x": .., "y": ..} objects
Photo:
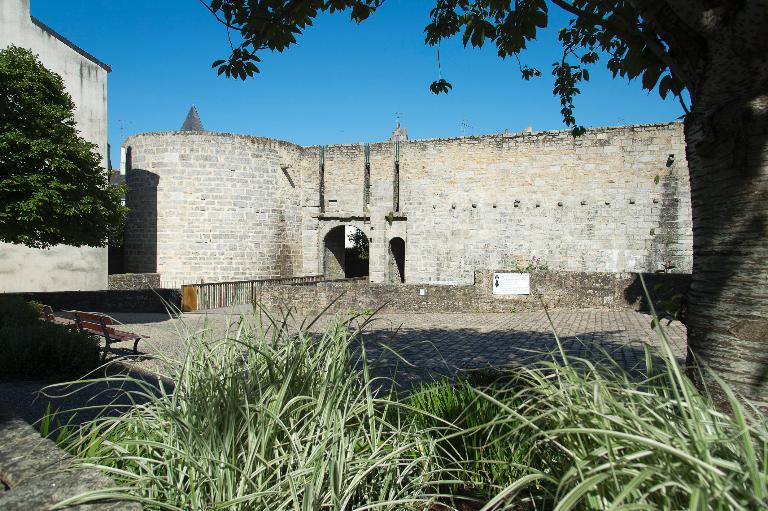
[
  {"x": 415, "y": 356},
  {"x": 81, "y": 402}
]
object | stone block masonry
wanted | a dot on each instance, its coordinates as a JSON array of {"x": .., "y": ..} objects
[
  {"x": 556, "y": 290},
  {"x": 609, "y": 201},
  {"x": 220, "y": 207},
  {"x": 126, "y": 281},
  {"x": 211, "y": 207}
]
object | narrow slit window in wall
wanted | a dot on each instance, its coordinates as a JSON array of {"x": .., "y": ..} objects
[
  {"x": 367, "y": 178},
  {"x": 396, "y": 180},
  {"x": 322, "y": 179}
]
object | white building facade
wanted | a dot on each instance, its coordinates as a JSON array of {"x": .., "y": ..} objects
[{"x": 61, "y": 268}]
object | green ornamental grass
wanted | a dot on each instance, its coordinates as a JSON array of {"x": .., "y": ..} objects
[
  {"x": 272, "y": 419},
  {"x": 582, "y": 435},
  {"x": 266, "y": 419}
]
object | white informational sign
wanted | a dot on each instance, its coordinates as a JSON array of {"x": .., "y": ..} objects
[{"x": 511, "y": 283}]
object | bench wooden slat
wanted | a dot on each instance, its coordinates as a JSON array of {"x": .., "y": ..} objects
[
  {"x": 99, "y": 324},
  {"x": 92, "y": 317}
]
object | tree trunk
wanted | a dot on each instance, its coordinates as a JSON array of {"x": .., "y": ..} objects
[{"x": 727, "y": 148}]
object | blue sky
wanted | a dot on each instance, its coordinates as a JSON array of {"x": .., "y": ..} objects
[{"x": 343, "y": 82}]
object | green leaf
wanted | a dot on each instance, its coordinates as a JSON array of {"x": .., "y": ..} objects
[
  {"x": 572, "y": 498},
  {"x": 651, "y": 76},
  {"x": 440, "y": 86}
]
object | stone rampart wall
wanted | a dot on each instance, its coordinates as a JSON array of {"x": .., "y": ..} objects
[
  {"x": 134, "y": 281},
  {"x": 615, "y": 199},
  {"x": 562, "y": 290},
  {"x": 227, "y": 207}
]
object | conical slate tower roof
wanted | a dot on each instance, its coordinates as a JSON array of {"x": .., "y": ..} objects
[{"x": 192, "y": 122}]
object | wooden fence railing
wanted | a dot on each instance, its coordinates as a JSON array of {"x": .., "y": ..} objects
[{"x": 214, "y": 295}]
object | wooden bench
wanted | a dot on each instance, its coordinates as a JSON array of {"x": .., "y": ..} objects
[{"x": 93, "y": 322}]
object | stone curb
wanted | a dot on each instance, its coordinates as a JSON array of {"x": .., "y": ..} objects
[{"x": 40, "y": 474}]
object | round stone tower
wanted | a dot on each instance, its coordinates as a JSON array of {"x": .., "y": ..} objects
[{"x": 212, "y": 207}]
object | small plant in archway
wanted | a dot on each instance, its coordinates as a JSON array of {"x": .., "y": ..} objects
[{"x": 360, "y": 245}]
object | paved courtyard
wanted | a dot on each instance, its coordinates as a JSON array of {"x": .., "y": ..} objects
[
  {"x": 423, "y": 346},
  {"x": 420, "y": 345},
  {"x": 412, "y": 347}
]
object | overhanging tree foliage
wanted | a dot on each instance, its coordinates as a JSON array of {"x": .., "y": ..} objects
[
  {"x": 713, "y": 49},
  {"x": 53, "y": 189}
]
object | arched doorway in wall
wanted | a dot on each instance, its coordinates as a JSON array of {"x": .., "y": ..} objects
[
  {"x": 397, "y": 260},
  {"x": 345, "y": 253}
]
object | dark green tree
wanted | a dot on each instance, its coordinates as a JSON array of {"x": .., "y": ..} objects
[
  {"x": 713, "y": 49},
  {"x": 53, "y": 189},
  {"x": 360, "y": 245}
]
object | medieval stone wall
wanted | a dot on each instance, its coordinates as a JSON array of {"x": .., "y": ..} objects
[
  {"x": 556, "y": 290},
  {"x": 230, "y": 207},
  {"x": 616, "y": 199}
]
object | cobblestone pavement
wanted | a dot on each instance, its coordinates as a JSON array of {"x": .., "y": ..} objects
[{"x": 424, "y": 345}]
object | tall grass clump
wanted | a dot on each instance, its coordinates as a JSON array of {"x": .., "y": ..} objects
[
  {"x": 462, "y": 424},
  {"x": 572, "y": 433},
  {"x": 274, "y": 419},
  {"x": 266, "y": 420},
  {"x": 623, "y": 442}
]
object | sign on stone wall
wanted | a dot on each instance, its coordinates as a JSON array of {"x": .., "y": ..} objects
[{"x": 511, "y": 283}]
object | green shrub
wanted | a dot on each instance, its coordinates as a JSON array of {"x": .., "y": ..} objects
[
  {"x": 34, "y": 349},
  {"x": 14, "y": 310}
]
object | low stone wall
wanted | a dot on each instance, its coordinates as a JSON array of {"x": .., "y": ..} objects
[
  {"x": 565, "y": 290},
  {"x": 134, "y": 281},
  {"x": 136, "y": 300},
  {"x": 35, "y": 474}
]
